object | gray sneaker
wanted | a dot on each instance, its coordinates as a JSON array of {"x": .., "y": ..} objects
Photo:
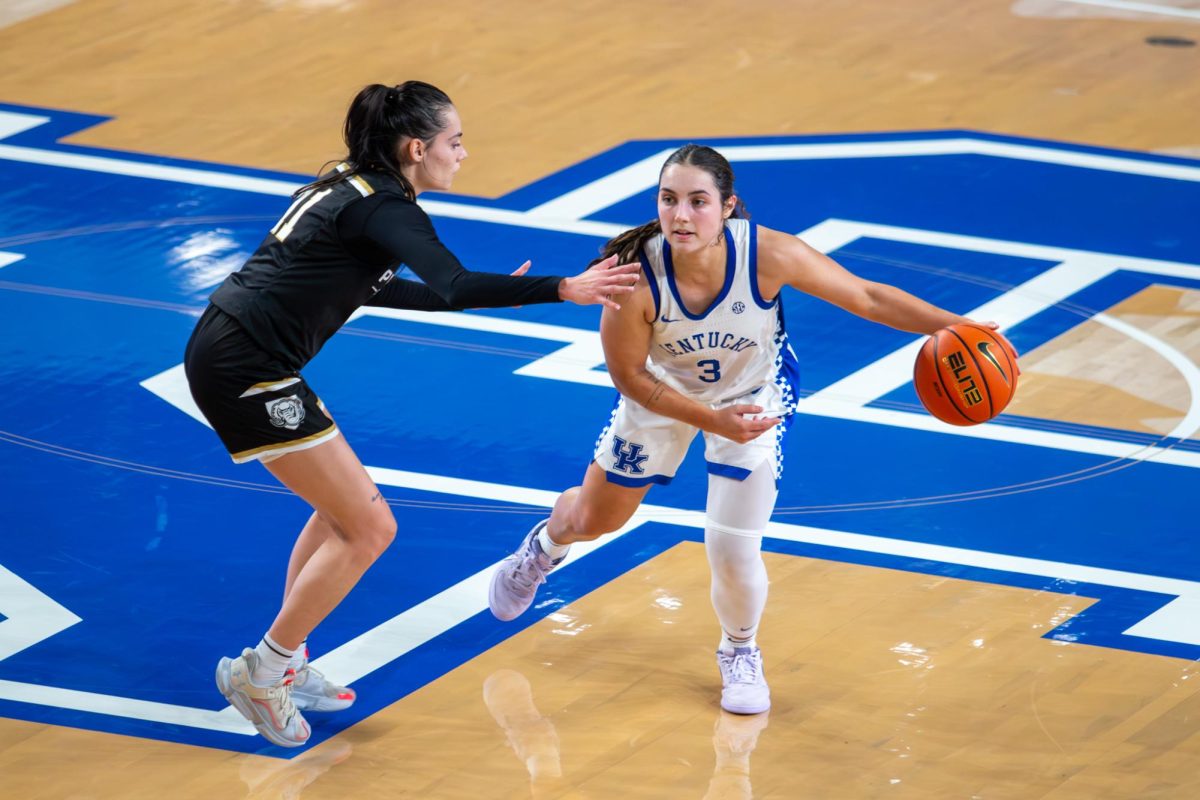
[
  {"x": 269, "y": 708},
  {"x": 516, "y": 580},
  {"x": 744, "y": 689},
  {"x": 312, "y": 691}
]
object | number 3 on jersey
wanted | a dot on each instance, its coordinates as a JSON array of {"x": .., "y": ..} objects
[{"x": 710, "y": 370}]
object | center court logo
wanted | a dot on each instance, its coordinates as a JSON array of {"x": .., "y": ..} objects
[{"x": 286, "y": 412}]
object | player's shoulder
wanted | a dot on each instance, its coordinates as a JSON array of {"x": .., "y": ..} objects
[
  {"x": 637, "y": 307},
  {"x": 775, "y": 245}
]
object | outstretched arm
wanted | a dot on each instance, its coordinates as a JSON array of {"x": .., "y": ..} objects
[
  {"x": 400, "y": 230},
  {"x": 625, "y": 334},
  {"x": 787, "y": 261}
]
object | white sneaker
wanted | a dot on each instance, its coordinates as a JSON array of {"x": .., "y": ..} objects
[
  {"x": 516, "y": 580},
  {"x": 269, "y": 708},
  {"x": 744, "y": 688},
  {"x": 312, "y": 691}
]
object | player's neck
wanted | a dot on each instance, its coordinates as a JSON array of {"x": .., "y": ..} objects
[{"x": 701, "y": 261}]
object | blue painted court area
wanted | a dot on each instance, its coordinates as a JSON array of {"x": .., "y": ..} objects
[{"x": 123, "y": 511}]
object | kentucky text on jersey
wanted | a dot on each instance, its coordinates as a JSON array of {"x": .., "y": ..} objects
[{"x": 712, "y": 340}]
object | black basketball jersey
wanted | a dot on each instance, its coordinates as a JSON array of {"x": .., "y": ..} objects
[{"x": 335, "y": 249}]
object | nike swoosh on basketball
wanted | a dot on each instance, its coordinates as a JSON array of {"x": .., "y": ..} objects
[{"x": 985, "y": 351}]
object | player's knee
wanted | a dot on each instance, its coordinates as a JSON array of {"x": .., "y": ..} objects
[
  {"x": 735, "y": 569},
  {"x": 374, "y": 534},
  {"x": 734, "y": 555},
  {"x": 591, "y": 521},
  {"x": 383, "y": 532}
]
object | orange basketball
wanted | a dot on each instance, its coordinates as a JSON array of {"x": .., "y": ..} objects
[{"x": 965, "y": 374}]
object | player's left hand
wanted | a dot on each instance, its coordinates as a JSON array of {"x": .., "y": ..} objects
[{"x": 600, "y": 282}]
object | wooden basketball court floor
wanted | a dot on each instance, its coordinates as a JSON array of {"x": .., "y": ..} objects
[{"x": 896, "y": 672}]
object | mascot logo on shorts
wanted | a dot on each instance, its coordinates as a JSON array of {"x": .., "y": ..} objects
[
  {"x": 286, "y": 412},
  {"x": 629, "y": 456}
]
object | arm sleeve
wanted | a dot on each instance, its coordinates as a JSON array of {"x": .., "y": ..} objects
[
  {"x": 401, "y": 293},
  {"x": 401, "y": 229}
]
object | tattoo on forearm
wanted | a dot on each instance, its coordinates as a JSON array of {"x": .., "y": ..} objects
[{"x": 655, "y": 393}]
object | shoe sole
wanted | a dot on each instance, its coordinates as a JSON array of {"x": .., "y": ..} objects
[
  {"x": 746, "y": 710},
  {"x": 320, "y": 704},
  {"x": 225, "y": 685}
]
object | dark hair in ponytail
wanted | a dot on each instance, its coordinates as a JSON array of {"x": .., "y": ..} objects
[
  {"x": 628, "y": 244},
  {"x": 378, "y": 118}
]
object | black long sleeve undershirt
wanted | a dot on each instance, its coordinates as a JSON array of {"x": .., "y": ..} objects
[
  {"x": 401, "y": 293},
  {"x": 385, "y": 228}
]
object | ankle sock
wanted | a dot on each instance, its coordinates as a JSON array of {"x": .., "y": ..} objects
[
  {"x": 273, "y": 660},
  {"x": 551, "y": 548}
]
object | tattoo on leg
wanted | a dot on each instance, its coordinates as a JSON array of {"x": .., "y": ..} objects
[{"x": 377, "y": 496}]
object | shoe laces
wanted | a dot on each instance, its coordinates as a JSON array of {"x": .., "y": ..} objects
[
  {"x": 745, "y": 668},
  {"x": 282, "y": 694},
  {"x": 529, "y": 573}
]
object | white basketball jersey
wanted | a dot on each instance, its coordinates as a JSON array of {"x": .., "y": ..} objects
[{"x": 735, "y": 346}]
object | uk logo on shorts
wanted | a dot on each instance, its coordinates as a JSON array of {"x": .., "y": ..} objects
[
  {"x": 286, "y": 412},
  {"x": 629, "y": 456}
]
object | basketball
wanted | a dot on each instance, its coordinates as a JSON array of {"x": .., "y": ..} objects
[{"x": 965, "y": 374}]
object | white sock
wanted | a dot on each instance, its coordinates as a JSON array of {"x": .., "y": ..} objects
[
  {"x": 273, "y": 660},
  {"x": 729, "y": 643},
  {"x": 300, "y": 657},
  {"x": 550, "y": 547}
]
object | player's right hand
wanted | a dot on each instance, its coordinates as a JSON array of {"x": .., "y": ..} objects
[{"x": 738, "y": 423}]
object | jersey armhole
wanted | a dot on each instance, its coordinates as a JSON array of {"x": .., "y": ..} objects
[
  {"x": 651, "y": 280},
  {"x": 753, "y": 262}
]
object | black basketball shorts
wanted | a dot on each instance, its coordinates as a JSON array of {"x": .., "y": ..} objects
[{"x": 259, "y": 407}]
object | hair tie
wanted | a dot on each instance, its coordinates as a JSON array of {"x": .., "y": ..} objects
[{"x": 392, "y": 96}]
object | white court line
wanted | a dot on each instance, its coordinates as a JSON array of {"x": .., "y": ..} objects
[
  {"x": 1184, "y": 365},
  {"x": 30, "y": 614},
  {"x": 278, "y": 188},
  {"x": 127, "y": 707},
  {"x": 643, "y": 175},
  {"x": 1149, "y": 8},
  {"x": 417, "y": 625},
  {"x": 565, "y": 212},
  {"x": 1076, "y": 270},
  {"x": 14, "y": 11},
  {"x": 11, "y": 123}
]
